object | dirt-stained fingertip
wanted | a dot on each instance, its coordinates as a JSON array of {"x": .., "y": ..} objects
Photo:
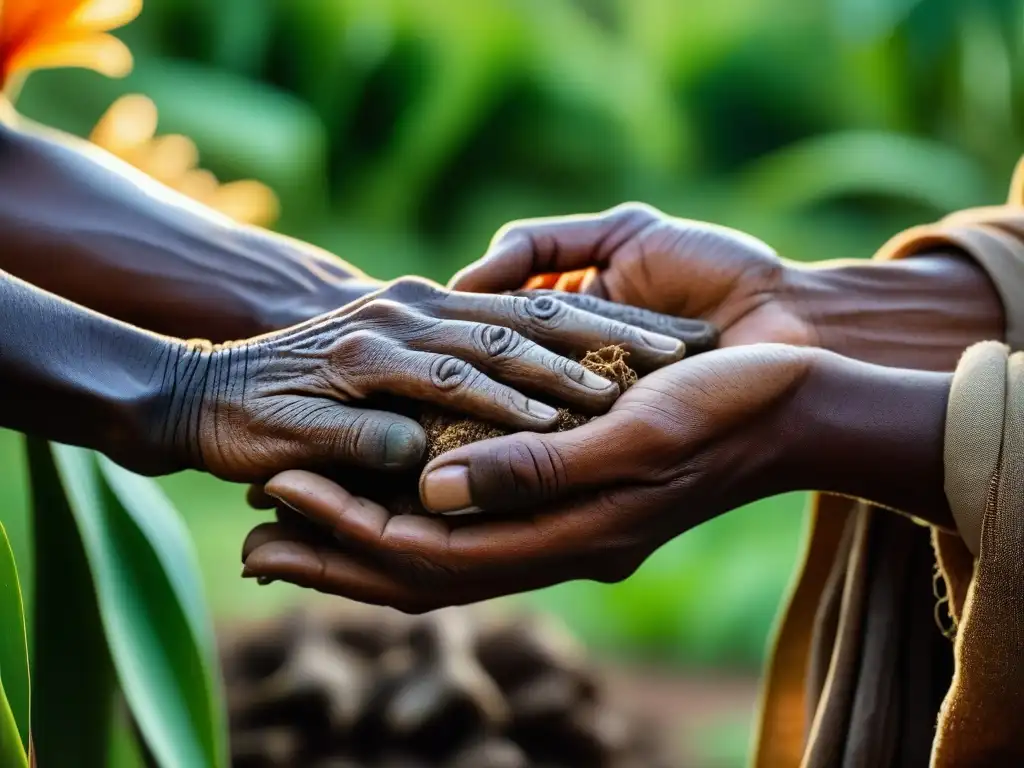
[
  {"x": 541, "y": 410},
  {"x": 591, "y": 380},
  {"x": 667, "y": 345},
  {"x": 404, "y": 446}
]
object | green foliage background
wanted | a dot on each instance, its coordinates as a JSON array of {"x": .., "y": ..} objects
[{"x": 401, "y": 133}]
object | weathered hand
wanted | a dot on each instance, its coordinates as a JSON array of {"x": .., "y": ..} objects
[
  {"x": 247, "y": 410},
  {"x": 683, "y": 445},
  {"x": 919, "y": 312},
  {"x": 644, "y": 258}
]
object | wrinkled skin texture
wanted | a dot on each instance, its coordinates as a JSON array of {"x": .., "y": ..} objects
[
  {"x": 676, "y": 415},
  {"x": 701, "y": 437},
  {"x": 647, "y": 259},
  {"x": 683, "y": 445},
  {"x": 246, "y": 410},
  {"x": 920, "y": 312},
  {"x": 81, "y": 225},
  {"x": 288, "y": 400}
]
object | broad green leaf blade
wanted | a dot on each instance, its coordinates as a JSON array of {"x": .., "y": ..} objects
[
  {"x": 165, "y": 531},
  {"x": 125, "y": 751},
  {"x": 13, "y": 645},
  {"x": 153, "y": 613},
  {"x": 11, "y": 752},
  {"x": 72, "y": 675}
]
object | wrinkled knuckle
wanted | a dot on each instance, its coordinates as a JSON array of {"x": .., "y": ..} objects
[
  {"x": 496, "y": 341},
  {"x": 545, "y": 309},
  {"x": 361, "y": 345},
  {"x": 635, "y": 211},
  {"x": 412, "y": 290},
  {"x": 380, "y": 310},
  {"x": 449, "y": 373},
  {"x": 364, "y": 436},
  {"x": 511, "y": 232},
  {"x": 529, "y": 468}
]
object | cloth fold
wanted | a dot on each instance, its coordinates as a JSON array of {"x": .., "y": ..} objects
[{"x": 862, "y": 673}]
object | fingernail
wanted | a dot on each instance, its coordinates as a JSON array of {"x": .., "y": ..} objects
[
  {"x": 465, "y": 511},
  {"x": 285, "y": 503},
  {"x": 402, "y": 446},
  {"x": 248, "y": 573},
  {"x": 446, "y": 489},
  {"x": 592, "y": 381},
  {"x": 664, "y": 343},
  {"x": 541, "y": 410}
]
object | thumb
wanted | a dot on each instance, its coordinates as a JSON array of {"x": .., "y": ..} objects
[
  {"x": 340, "y": 434},
  {"x": 527, "y": 470},
  {"x": 561, "y": 244}
]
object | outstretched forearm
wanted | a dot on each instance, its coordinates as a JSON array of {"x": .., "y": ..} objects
[
  {"x": 920, "y": 312},
  {"x": 79, "y": 223},
  {"x": 869, "y": 432},
  {"x": 72, "y": 375}
]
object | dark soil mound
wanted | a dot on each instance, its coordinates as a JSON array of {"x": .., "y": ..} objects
[{"x": 460, "y": 689}]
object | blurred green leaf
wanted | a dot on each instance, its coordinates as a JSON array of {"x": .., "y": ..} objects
[
  {"x": 243, "y": 128},
  {"x": 151, "y": 606},
  {"x": 14, "y": 674},
  {"x": 72, "y": 674},
  {"x": 868, "y": 19},
  {"x": 402, "y": 133},
  {"x": 241, "y": 32},
  {"x": 124, "y": 746},
  {"x": 14, "y": 687},
  {"x": 864, "y": 163},
  {"x": 12, "y": 753}
]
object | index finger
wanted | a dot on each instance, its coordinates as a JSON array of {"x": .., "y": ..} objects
[
  {"x": 560, "y": 244},
  {"x": 559, "y": 326}
]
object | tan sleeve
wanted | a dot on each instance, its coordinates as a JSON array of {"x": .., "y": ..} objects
[
  {"x": 993, "y": 236},
  {"x": 974, "y": 432},
  {"x": 979, "y": 723}
]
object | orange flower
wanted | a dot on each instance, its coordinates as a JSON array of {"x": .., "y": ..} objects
[
  {"x": 128, "y": 131},
  {"x": 44, "y": 34},
  {"x": 569, "y": 282}
]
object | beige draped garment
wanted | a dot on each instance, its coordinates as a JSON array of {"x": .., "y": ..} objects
[{"x": 901, "y": 645}]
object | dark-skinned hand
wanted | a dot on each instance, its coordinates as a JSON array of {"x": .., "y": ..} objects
[
  {"x": 292, "y": 399},
  {"x": 920, "y": 312},
  {"x": 303, "y": 397},
  {"x": 685, "y": 444}
]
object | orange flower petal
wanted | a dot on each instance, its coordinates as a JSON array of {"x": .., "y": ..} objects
[
  {"x": 103, "y": 53},
  {"x": 576, "y": 281},
  {"x": 568, "y": 282},
  {"x": 247, "y": 201},
  {"x": 167, "y": 158},
  {"x": 104, "y": 15},
  {"x": 23, "y": 20},
  {"x": 7, "y": 114},
  {"x": 541, "y": 282},
  {"x": 198, "y": 184},
  {"x": 128, "y": 123}
]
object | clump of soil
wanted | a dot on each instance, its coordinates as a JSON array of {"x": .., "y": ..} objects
[
  {"x": 370, "y": 688},
  {"x": 446, "y": 432}
]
